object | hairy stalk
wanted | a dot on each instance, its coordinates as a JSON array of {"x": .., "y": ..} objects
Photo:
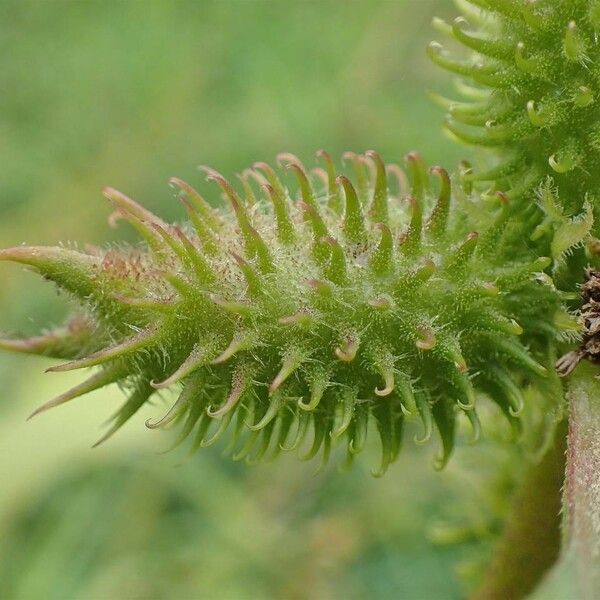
[
  {"x": 582, "y": 489},
  {"x": 530, "y": 543},
  {"x": 577, "y": 573}
]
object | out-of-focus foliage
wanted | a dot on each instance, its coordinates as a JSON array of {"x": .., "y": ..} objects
[
  {"x": 124, "y": 528},
  {"x": 128, "y": 94}
]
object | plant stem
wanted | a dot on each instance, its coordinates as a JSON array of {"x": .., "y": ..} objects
[
  {"x": 530, "y": 544},
  {"x": 582, "y": 485}
]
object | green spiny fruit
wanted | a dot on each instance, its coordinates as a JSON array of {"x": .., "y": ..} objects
[
  {"x": 304, "y": 315},
  {"x": 533, "y": 98}
]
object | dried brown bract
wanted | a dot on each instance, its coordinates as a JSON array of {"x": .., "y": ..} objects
[{"x": 590, "y": 322}]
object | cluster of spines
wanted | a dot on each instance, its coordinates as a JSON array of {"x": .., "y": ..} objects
[
  {"x": 346, "y": 306},
  {"x": 532, "y": 97}
]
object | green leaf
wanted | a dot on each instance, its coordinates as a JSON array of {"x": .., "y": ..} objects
[{"x": 572, "y": 232}]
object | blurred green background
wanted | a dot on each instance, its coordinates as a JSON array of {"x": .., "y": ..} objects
[{"x": 127, "y": 94}]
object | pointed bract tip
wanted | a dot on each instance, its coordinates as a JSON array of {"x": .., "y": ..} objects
[
  {"x": 388, "y": 387},
  {"x": 372, "y": 154},
  {"x": 298, "y": 168},
  {"x": 177, "y": 181},
  {"x": 287, "y": 159},
  {"x": 210, "y": 172},
  {"x": 240, "y": 260},
  {"x": 461, "y": 366},
  {"x": 130, "y": 206},
  {"x": 223, "y": 182},
  {"x": 490, "y": 289},
  {"x": 516, "y": 327},
  {"x": 112, "y": 193},
  {"x": 437, "y": 170},
  {"x": 347, "y": 350},
  {"x": 18, "y": 345},
  {"x": 214, "y": 175},
  {"x": 95, "y": 382},
  {"x": 380, "y": 302},
  {"x": 262, "y": 166},
  {"x": 503, "y": 198},
  {"x": 183, "y": 186},
  {"x": 119, "y": 198},
  {"x": 267, "y": 187},
  {"x": 412, "y": 156},
  {"x": 542, "y": 262},
  {"x": 37, "y": 255},
  {"x": 301, "y": 318},
  {"x": 427, "y": 341},
  {"x": 321, "y": 287}
]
